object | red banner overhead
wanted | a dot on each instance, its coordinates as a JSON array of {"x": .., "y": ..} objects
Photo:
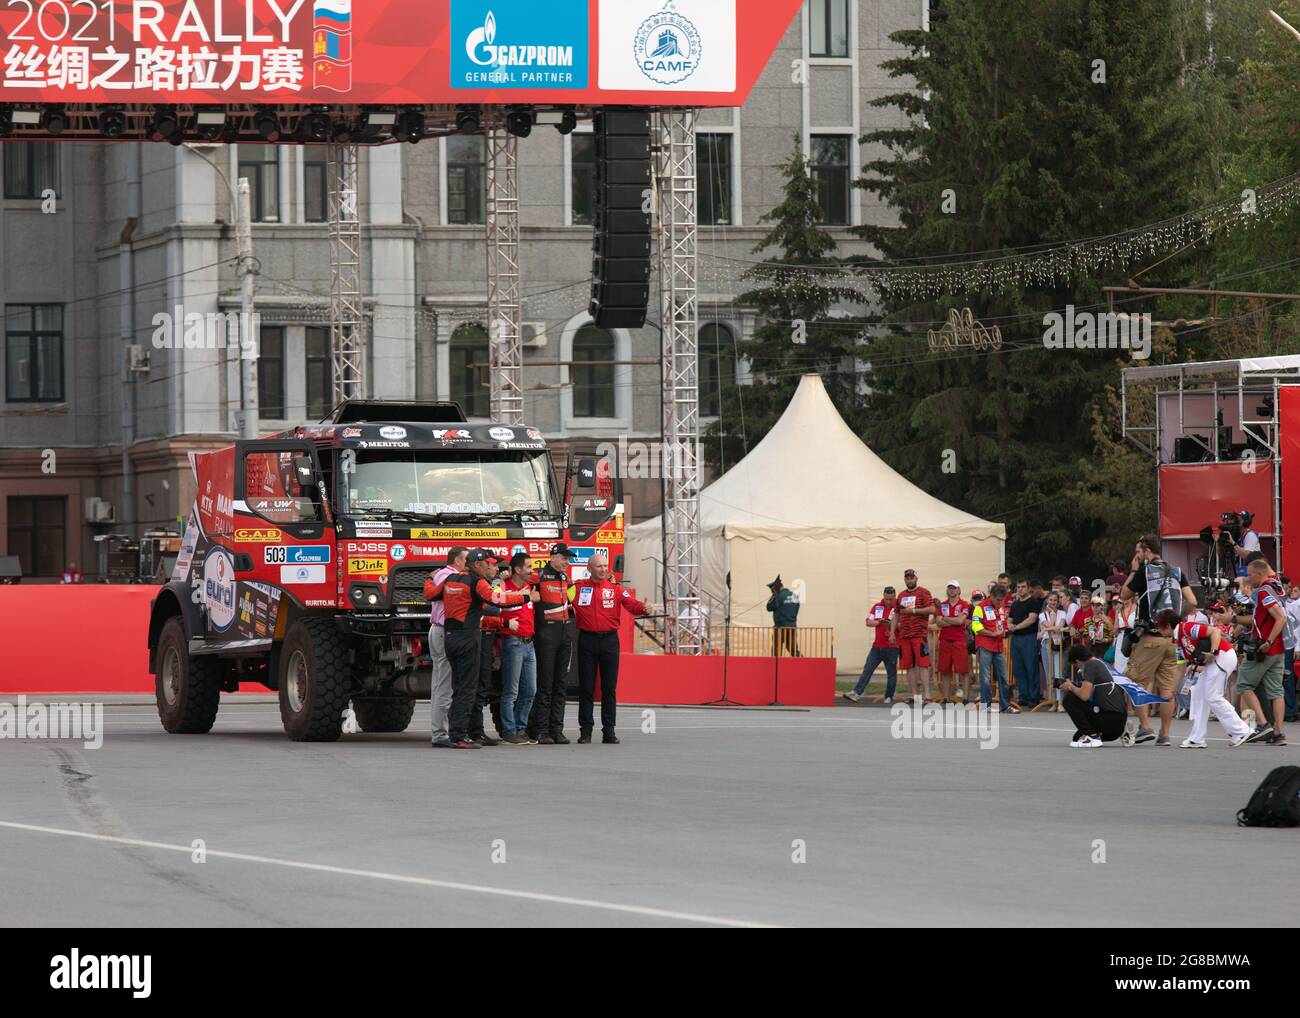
[{"x": 578, "y": 52}]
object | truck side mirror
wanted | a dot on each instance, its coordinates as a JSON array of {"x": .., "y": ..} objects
[
  {"x": 305, "y": 472},
  {"x": 587, "y": 474}
]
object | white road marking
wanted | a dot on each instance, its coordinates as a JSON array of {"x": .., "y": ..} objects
[{"x": 398, "y": 878}]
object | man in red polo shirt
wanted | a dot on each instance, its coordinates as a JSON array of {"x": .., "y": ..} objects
[
  {"x": 954, "y": 659},
  {"x": 598, "y": 603},
  {"x": 884, "y": 649},
  {"x": 910, "y": 626}
]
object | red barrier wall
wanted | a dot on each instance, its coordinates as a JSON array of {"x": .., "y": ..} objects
[
  {"x": 93, "y": 639},
  {"x": 90, "y": 638}
]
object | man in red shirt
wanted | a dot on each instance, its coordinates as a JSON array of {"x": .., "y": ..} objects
[
  {"x": 954, "y": 659},
  {"x": 518, "y": 658},
  {"x": 1263, "y": 668},
  {"x": 989, "y": 621},
  {"x": 598, "y": 603},
  {"x": 883, "y": 651},
  {"x": 910, "y": 625}
]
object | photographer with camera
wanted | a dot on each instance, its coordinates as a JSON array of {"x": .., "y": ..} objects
[
  {"x": 1096, "y": 705},
  {"x": 1248, "y": 541},
  {"x": 1158, "y": 587},
  {"x": 1263, "y": 651},
  {"x": 1211, "y": 660}
]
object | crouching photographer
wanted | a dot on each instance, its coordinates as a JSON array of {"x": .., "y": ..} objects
[
  {"x": 1096, "y": 705},
  {"x": 1211, "y": 660}
]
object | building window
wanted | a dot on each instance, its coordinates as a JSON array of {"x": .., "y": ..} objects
[
  {"x": 466, "y": 173},
  {"x": 315, "y": 186},
  {"x": 582, "y": 159},
  {"x": 320, "y": 388},
  {"x": 270, "y": 372},
  {"x": 828, "y": 28},
  {"x": 260, "y": 165},
  {"x": 38, "y": 533},
  {"x": 717, "y": 367},
  {"x": 34, "y": 353},
  {"x": 31, "y": 168},
  {"x": 468, "y": 368},
  {"x": 829, "y": 166},
  {"x": 593, "y": 373},
  {"x": 713, "y": 169}
]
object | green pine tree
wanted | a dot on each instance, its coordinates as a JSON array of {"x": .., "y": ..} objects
[
  {"x": 796, "y": 293},
  {"x": 1045, "y": 122}
]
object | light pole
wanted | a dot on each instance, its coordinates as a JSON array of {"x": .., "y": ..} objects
[{"x": 249, "y": 326}]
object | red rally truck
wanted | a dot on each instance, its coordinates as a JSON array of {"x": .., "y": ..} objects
[{"x": 303, "y": 563}]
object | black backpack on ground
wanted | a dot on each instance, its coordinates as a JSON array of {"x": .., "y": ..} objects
[{"x": 1276, "y": 802}]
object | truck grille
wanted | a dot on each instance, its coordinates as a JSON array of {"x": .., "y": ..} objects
[{"x": 407, "y": 586}]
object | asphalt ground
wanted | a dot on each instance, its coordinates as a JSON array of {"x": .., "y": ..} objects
[{"x": 716, "y": 817}]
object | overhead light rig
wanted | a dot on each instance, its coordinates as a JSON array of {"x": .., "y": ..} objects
[{"x": 291, "y": 124}]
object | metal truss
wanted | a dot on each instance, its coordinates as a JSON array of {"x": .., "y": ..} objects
[
  {"x": 675, "y": 186},
  {"x": 347, "y": 322},
  {"x": 504, "y": 297}
]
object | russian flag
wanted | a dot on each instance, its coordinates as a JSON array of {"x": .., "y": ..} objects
[{"x": 336, "y": 14}]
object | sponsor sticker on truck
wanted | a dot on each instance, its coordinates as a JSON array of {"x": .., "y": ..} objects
[
  {"x": 300, "y": 555},
  {"x": 368, "y": 566}
]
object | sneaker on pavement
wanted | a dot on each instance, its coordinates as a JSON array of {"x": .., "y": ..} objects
[
  {"x": 610, "y": 740},
  {"x": 1260, "y": 734},
  {"x": 851, "y": 696},
  {"x": 1192, "y": 744},
  {"x": 1276, "y": 739},
  {"x": 1144, "y": 735},
  {"x": 443, "y": 744},
  {"x": 1085, "y": 742},
  {"x": 1163, "y": 741},
  {"x": 559, "y": 738},
  {"x": 1238, "y": 740},
  {"x": 486, "y": 740},
  {"x": 584, "y": 739},
  {"x": 544, "y": 740},
  {"x": 1013, "y": 709},
  {"x": 465, "y": 744}
]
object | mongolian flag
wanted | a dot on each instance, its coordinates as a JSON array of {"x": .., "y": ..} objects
[{"x": 332, "y": 44}]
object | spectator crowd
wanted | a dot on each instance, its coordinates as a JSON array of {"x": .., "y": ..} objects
[{"x": 1028, "y": 645}]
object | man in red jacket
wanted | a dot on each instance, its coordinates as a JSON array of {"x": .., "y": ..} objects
[
  {"x": 598, "y": 603},
  {"x": 464, "y": 597}
]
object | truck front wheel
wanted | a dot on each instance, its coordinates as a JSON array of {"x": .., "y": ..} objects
[
  {"x": 383, "y": 715},
  {"x": 315, "y": 675},
  {"x": 188, "y": 689}
]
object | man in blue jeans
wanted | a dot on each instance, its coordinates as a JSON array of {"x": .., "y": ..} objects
[
  {"x": 1023, "y": 617},
  {"x": 518, "y": 659},
  {"x": 989, "y": 624},
  {"x": 883, "y": 651}
]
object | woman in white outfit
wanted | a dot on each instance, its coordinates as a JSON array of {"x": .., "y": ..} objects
[
  {"x": 1211, "y": 653},
  {"x": 1125, "y": 613}
]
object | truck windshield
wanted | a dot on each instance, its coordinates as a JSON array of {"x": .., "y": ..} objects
[{"x": 431, "y": 483}]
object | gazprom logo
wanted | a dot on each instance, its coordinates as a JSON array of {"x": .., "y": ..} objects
[
  {"x": 508, "y": 45},
  {"x": 483, "y": 37}
]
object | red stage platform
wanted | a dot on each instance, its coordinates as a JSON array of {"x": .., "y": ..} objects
[{"x": 92, "y": 639}]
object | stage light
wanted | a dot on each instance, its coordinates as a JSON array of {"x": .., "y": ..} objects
[
  {"x": 27, "y": 117},
  {"x": 314, "y": 126},
  {"x": 343, "y": 132},
  {"x": 469, "y": 121},
  {"x": 112, "y": 122},
  {"x": 54, "y": 119},
  {"x": 267, "y": 125},
  {"x": 520, "y": 123},
  {"x": 564, "y": 121},
  {"x": 164, "y": 125},
  {"x": 409, "y": 126},
  {"x": 210, "y": 121}
]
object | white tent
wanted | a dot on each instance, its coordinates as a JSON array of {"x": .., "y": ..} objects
[{"x": 814, "y": 504}]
